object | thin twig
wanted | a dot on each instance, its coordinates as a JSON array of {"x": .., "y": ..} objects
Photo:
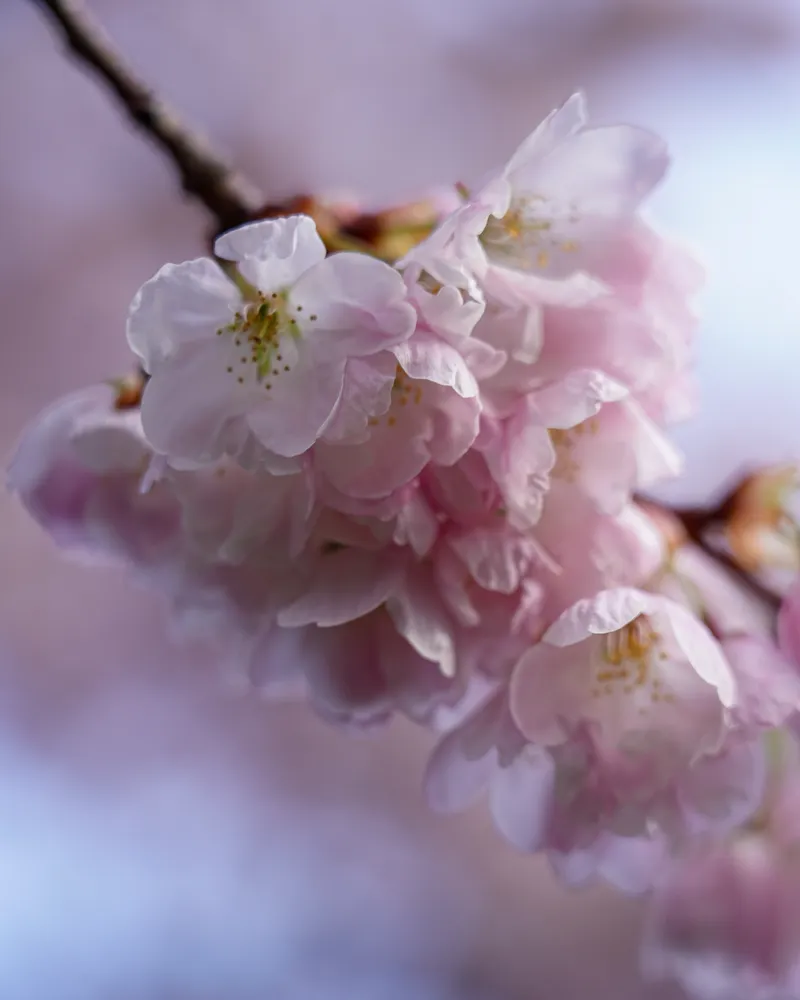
[{"x": 230, "y": 199}]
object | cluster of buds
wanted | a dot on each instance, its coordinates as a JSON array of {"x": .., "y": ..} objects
[{"x": 404, "y": 477}]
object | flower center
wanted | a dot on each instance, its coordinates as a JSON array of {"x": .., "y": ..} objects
[
  {"x": 567, "y": 467},
  {"x": 265, "y": 335},
  {"x": 525, "y": 237},
  {"x": 628, "y": 662},
  {"x": 405, "y": 392}
]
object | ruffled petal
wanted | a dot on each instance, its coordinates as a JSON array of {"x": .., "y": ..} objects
[
  {"x": 181, "y": 305},
  {"x": 427, "y": 357},
  {"x": 359, "y": 303},
  {"x": 419, "y": 615},
  {"x": 604, "y": 172},
  {"x": 274, "y": 253},
  {"x": 189, "y": 403},
  {"x": 607, "y": 612},
  {"x": 345, "y": 585},
  {"x": 299, "y": 406},
  {"x": 520, "y": 797},
  {"x": 701, "y": 650}
]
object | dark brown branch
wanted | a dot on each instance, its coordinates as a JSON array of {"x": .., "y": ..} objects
[
  {"x": 695, "y": 530},
  {"x": 203, "y": 175},
  {"x": 696, "y": 522}
]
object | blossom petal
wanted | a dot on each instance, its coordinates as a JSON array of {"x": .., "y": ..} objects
[
  {"x": 299, "y": 406},
  {"x": 559, "y": 125},
  {"x": 447, "y": 312},
  {"x": 417, "y": 525},
  {"x": 520, "y": 796},
  {"x": 656, "y": 457},
  {"x": 701, "y": 650},
  {"x": 94, "y": 508},
  {"x": 367, "y": 393},
  {"x": 427, "y": 357},
  {"x": 547, "y": 690},
  {"x": 45, "y": 445},
  {"x": 360, "y": 304},
  {"x": 453, "y": 780},
  {"x": 346, "y": 585},
  {"x": 419, "y": 616},
  {"x": 274, "y": 253},
  {"x": 577, "y": 397},
  {"x": 393, "y": 455},
  {"x": 189, "y": 402},
  {"x": 521, "y": 288},
  {"x": 456, "y": 420},
  {"x": 789, "y": 624},
  {"x": 606, "y": 172},
  {"x": 497, "y": 558},
  {"x": 608, "y": 611},
  {"x": 115, "y": 445},
  {"x": 182, "y": 304},
  {"x": 724, "y": 790},
  {"x": 768, "y": 684}
]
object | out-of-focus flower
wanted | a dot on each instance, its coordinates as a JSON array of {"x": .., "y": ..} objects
[
  {"x": 789, "y": 624},
  {"x": 725, "y": 918},
  {"x": 639, "y": 670},
  {"x": 760, "y": 526},
  {"x": 627, "y": 729},
  {"x": 78, "y": 470}
]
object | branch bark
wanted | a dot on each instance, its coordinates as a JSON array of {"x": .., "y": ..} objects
[{"x": 229, "y": 198}]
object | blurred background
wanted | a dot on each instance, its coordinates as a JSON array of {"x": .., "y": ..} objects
[{"x": 162, "y": 836}]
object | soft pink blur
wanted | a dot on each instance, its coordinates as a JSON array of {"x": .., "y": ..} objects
[{"x": 164, "y": 833}]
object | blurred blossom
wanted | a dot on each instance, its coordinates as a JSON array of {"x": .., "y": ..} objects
[
  {"x": 761, "y": 523},
  {"x": 162, "y": 874},
  {"x": 725, "y": 918}
]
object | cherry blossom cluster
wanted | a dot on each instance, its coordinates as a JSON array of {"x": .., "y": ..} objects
[{"x": 413, "y": 487}]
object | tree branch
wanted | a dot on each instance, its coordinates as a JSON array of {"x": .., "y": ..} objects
[
  {"x": 696, "y": 522},
  {"x": 230, "y": 199},
  {"x": 695, "y": 530}
]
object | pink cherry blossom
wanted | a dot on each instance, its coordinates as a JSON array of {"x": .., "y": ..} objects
[
  {"x": 79, "y": 469},
  {"x": 415, "y": 489},
  {"x": 593, "y": 550},
  {"x": 425, "y": 422},
  {"x": 344, "y": 585},
  {"x": 646, "y": 675},
  {"x": 562, "y": 196},
  {"x": 358, "y": 673},
  {"x": 726, "y": 924},
  {"x": 614, "y": 454},
  {"x": 265, "y": 357},
  {"x": 725, "y": 917},
  {"x": 542, "y": 799}
]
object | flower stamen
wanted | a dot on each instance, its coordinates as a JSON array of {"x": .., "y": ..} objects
[
  {"x": 525, "y": 238},
  {"x": 629, "y": 659},
  {"x": 264, "y": 325}
]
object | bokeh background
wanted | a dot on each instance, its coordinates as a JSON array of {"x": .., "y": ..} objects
[{"x": 162, "y": 835}]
